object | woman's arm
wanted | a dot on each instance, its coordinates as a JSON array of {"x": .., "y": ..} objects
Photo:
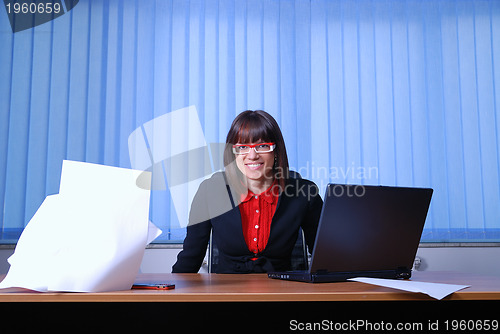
[{"x": 194, "y": 249}]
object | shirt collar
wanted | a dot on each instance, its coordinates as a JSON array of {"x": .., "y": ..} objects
[{"x": 269, "y": 195}]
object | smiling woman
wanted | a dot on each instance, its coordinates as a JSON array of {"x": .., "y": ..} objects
[
  {"x": 256, "y": 163},
  {"x": 257, "y": 168},
  {"x": 258, "y": 230}
]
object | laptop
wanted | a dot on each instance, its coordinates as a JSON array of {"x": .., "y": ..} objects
[{"x": 365, "y": 231}]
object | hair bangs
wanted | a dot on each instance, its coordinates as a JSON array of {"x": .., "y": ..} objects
[{"x": 254, "y": 129}]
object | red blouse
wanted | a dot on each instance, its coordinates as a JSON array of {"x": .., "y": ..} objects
[{"x": 256, "y": 215}]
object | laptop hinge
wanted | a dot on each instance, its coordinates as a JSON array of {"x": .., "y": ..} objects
[{"x": 403, "y": 272}]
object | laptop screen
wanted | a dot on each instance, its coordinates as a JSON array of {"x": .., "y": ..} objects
[{"x": 364, "y": 228}]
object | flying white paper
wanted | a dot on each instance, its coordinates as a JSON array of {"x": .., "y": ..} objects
[
  {"x": 88, "y": 238},
  {"x": 435, "y": 290},
  {"x": 153, "y": 232},
  {"x": 172, "y": 140}
]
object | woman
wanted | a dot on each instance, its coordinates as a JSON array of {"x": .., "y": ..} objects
[{"x": 255, "y": 207}]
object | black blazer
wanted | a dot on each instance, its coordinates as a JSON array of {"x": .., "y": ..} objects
[{"x": 214, "y": 209}]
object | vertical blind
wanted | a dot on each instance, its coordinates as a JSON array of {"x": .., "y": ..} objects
[{"x": 387, "y": 92}]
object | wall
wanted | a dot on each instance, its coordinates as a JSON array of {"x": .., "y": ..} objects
[{"x": 481, "y": 260}]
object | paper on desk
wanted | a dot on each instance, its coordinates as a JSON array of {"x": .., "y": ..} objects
[
  {"x": 88, "y": 238},
  {"x": 435, "y": 290}
]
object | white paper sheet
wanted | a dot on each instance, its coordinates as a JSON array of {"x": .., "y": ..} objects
[
  {"x": 88, "y": 238},
  {"x": 153, "y": 232},
  {"x": 174, "y": 134},
  {"x": 435, "y": 290}
]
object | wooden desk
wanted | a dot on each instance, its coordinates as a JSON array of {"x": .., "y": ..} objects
[{"x": 259, "y": 288}]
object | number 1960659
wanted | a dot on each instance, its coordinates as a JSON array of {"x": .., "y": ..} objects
[
  {"x": 33, "y": 8},
  {"x": 471, "y": 325}
]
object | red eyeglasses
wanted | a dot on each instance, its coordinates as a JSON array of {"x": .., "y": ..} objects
[{"x": 259, "y": 148}]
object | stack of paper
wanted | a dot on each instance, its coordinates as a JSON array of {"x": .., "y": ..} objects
[{"x": 88, "y": 238}]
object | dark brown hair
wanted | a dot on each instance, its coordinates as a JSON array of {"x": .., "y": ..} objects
[{"x": 251, "y": 126}]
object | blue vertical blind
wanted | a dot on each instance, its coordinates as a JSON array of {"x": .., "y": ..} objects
[{"x": 385, "y": 92}]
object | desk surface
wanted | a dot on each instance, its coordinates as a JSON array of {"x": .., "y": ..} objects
[{"x": 257, "y": 287}]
